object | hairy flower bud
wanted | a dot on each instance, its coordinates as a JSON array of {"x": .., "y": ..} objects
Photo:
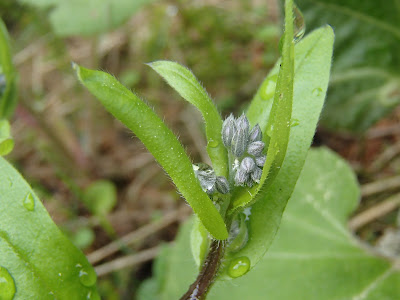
[
  {"x": 206, "y": 176},
  {"x": 241, "y": 177},
  {"x": 222, "y": 185},
  {"x": 247, "y": 165},
  {"x": 243, "y": 122},
  {"x": 228, "y": 130},
  {"x": 255, "y": 134},
  {"x": 260, "y": 160},
  {"x": 256, "y": 174},
  {"x": 256, "y": 148}
]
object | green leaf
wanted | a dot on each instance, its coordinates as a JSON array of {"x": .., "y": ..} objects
[
  {"x": 276, "y": 130},
  {"x": 8, "y": 89},
  {"x": 100, "y": 197},
  {"x": 365, "y": 82},
  {"x": 158, "y": 139},
  {"x": 186, "y": 84},
  {"x": 6, "y": 140},
  {"x": 312, "y": 63},
  {"x": 41, "y": 261},
  {"x": 76, "y": 17},
  {"x": 313, "y": 256}
]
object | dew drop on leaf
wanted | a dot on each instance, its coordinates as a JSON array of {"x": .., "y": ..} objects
[
  {"x": 294, "y": 122},
  {"x": 86, "y": 276},
  {"x": 268, "y": 88},
  {"x": 7, "y": 285},
  {"x": 239, "y": 266},
  {"x": 93, "y": 296},
  {"x": 299, "y": 24},
  {"x": 29, "y": 202},
  {"x": 317, "y": 92},
  {"x": 212, "y": 143}
]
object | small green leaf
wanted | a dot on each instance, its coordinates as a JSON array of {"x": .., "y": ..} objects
[
  {"x": 42, "y": 262},
  {"x": 100, "y": 197},
  {"x": 76, "y": 17},
  {"x": 8, "y": 89},
  {"x": 365, "y": 80},
  {"x": 6, "y": 141},
  {"x": 186, "y": 84},
  {"x": 158, "y": 139},
  {"x": 312, "y": 64},
  {"x": 313, "y": 257},
  {"x": 276, "y": 130}
]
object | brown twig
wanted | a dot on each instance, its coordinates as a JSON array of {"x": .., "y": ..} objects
[
  {"x": 379, "y": 186},
  {"x": 386, "y": 156},
  {"x": 138, "y": 235},
  {"x": 375, "y": 212},
  {"x": 127, "y": 261}
]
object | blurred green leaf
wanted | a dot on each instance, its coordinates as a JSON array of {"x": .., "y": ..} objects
[
  {"x": 365, "y": 81},
  {"x": 76, "y": 17},
  {"x": 158, "y": 139},
  {"x": 83, "y": 237},
  {"x": 276, "y": 130},
  {"x": 41, "y": 261},
  {"x": 6, "y": 141},
  {"x": 314, "y": 256},
  {"x": 8, "y": 89},
  {"x": 100, "y": 197},
  {"x": 186, "y": 84}
]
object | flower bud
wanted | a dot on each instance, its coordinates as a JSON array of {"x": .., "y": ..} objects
[
  {"x": 256, "y": 174},
  {"x": 256, "y": 148},
  {"x": 247, "y": 165},
  {"x": 255, "y": 134},
  {"x": 243, "y": 122},
  {"x": 260, "y": 160},
  {"x": 228, "y": 130},
  {"x": 222, "y": 185},
  {"x": 206, "y": 176},
  {"x": 239, "y": 141},
  {"x": 241, "y": 177}
]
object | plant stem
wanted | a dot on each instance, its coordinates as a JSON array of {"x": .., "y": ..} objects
[{"x": 198, "y": 289}]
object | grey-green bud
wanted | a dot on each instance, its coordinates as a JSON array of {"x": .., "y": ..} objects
[
  {"x": 255, "y": 134},
  {"x": 222, "y": 185},
  {"x": 260, "y": 160},
  {"x": 247, "y": 165},
  {"x": 256, "y": 174},
  {"x": 256, "y": 148},
  {"x": 206, "y": 176},
  {"x": 240, "y": 141},
  {"x": 241, "y": 177},
  {"x": 243, "y": 122},
  {"x": 228, "y": 130}
]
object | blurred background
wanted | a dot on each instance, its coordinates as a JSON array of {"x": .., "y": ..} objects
[{"x": 96, "y": 179}]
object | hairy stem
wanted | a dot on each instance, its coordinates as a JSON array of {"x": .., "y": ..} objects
[{"x": 198, "y": 289}]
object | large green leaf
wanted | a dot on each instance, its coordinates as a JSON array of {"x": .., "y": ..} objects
[
  {"x": 312, "y": 63},
  {"x": 77, "y": 17},
  {"x": 365, "y": 82},
  {"x": 158, "y": 139},
  {"x": 313, "y": 256},
  {"x": 186, "y": 84},
  {"x": 277, "y": 129},
  {"x": 8, "y": 89},
  {"x": 36, "y": 260}
]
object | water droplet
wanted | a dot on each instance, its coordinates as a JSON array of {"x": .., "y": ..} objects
[
  {"x": 29, "y": 202},
  {"x": 294, "y": 122},
  {"x": 212, "y": 143},
  {"x": 93, "y": 295},
  {"x": 317, "y": 92},
  {"x": 7, "y": 285},
  {"x": 299, "y": 24},
  {"x": 268, "y": 88},
  {"x": 87, "y": 276},
  {"x": 238, "y": 234},
  {"x": 239, "y": 266}
]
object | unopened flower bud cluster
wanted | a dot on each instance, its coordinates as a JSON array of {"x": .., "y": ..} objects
[{"x": 247, "y": 147}]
